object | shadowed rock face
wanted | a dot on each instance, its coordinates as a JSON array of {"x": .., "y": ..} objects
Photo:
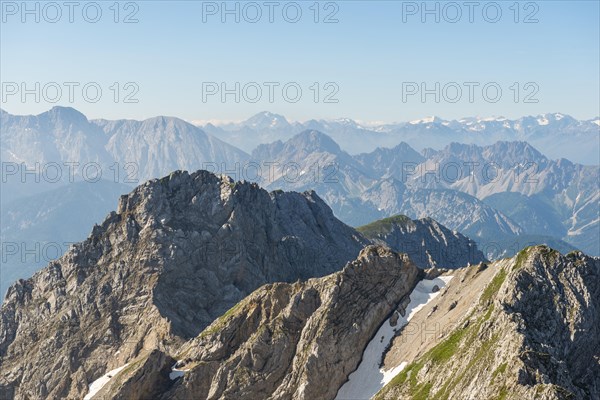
[
  {"x": 428, "y": 243},
  {"x": 296, "y": 341},
  {"x": 178, "y": 253}
]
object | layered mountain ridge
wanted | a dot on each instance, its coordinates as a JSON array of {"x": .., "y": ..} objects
[
  {"x": 504, "y": 196},
  {"x": 555, "y": 134},
  {"x": 138, "y": 150},
  {"x": 165, "y": 299},
  {"x": 491, "y": 193}
]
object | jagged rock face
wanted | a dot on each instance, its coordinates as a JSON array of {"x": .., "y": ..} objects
[
  {"x": 560, "y": 320},
  {"x": 533, "y": 334},
  {"x": 391, "y": 162},
  {"x": 558, "y": 197},
  {"x": 178, "y": 253},
  {"x": 427, "y": 243},
  {"x": 296, "y": 341}
]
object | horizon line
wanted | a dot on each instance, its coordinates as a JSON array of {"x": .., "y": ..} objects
[{"x": 359, "y": 122}]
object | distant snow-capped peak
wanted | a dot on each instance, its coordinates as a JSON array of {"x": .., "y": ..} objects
[
  {"x": 542, "y": 120},
  {"x": 492, "y": 119},
  {"x": 548, "y": 118},
  {"x": 347, "y": 122},
  {"x": 266, "y": 119},
  {"x": 426, "y": 120}
]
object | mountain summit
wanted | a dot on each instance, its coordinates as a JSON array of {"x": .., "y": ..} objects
[
  {"x": 266, "y": 120},
  {"x": 177, "y": 253}
]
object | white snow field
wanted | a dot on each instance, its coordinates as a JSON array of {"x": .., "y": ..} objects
[
  {"x": 368, "y": 378},
  {"x": 100, "y": 382}
]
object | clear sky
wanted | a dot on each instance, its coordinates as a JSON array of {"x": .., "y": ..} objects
[{"x": 372, "y": 57}]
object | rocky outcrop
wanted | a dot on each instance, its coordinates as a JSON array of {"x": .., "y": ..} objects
[
  {"x": 534, "y": 333},
  {"x": 177, "y": 254},
  {"x": 296, "y": 341},
  {"x": 428, "y": 243}
]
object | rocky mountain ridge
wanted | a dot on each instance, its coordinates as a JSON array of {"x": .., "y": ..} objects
[
  {"x": 283, "y": 340},
  {"x": 428, "y": 243},
  {"x": 558, "y": 198},
  {"x": 125, "y": 151},
  {"x": 507, "y": 203},
  {"x": 178, "y": 253},
  {"x": 532, "y": 333},
  {"x": 157, "y": 296}
]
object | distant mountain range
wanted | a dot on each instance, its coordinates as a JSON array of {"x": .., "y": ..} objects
[
  {"x": 125, "y": 151},
  {"x": 556, "y": 135},
  {"x": 504, "y": 195},
  {"x": 490, "y": 193}
]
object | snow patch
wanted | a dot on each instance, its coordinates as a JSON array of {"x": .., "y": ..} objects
[
  {"x": 543, "y": 121},
  {"x": 369, "y": 378},
  {"x": 491, "y": 119},
  {"x": 389, "y": 375},
  {"x": 426, "y": 120},
  {"x": 274, "y": 122},
  {"x": 176, "y": 373},
  {"x": 99, "y": 383}
]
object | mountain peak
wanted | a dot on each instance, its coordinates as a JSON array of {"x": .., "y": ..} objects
[
  {"x": 266, "y": 120},
  {"x": 517, "y": 147},
  {"x": 68, "y": 114},
  {"x": 313, "y": 140},
  {"x": 427, "y": 120},
  {"x": 347, "y": 122},
  {"x": 427, "y": 242},
  {"x": 165, "y": 120}
]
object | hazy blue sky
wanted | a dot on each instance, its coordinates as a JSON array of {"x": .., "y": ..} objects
[{"x": 367, "y": 54}]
